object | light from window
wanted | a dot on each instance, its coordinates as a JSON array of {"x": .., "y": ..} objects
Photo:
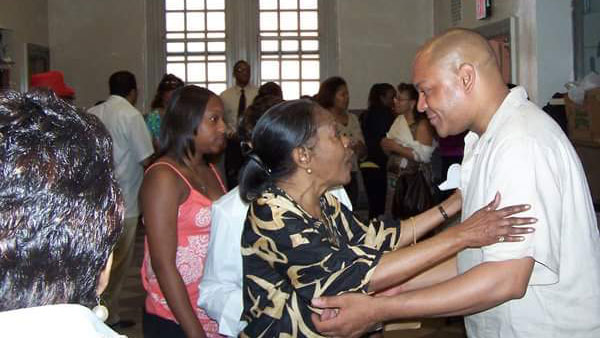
[
  {"x": 195, "y": 42},
  {"x": 289, "y": 45}
]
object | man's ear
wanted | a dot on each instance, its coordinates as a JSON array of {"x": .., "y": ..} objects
[
  {"x": 467, "y": 77},
  {"x": 301, "y": 157}
]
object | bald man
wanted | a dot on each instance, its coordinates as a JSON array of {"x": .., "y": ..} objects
[{"x": 545, "y": 286}]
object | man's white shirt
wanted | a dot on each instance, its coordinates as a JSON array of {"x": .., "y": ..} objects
[
  {"x": 526, "y": 157},
  {"x": 131, "y": 146}
]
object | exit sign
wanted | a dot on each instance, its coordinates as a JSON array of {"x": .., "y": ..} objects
[{"x": 483, "y": 9}]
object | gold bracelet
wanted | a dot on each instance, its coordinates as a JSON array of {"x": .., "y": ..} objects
[{"x": 414, "y": 227}]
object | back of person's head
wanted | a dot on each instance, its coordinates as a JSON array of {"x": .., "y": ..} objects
[
  {"x": 180, "y": 123},
  {"x": 253, "y": 113},
  {"x": 168, "y": 83},
  {"x": 376, "y": 94},
  {"x": 60, "y": 206},
  {"x": 270, "y": 88},
  {"x": 328, "y": 89},
  {"x": 284, "y": 127},
  {"x": 122, "y": 83}
]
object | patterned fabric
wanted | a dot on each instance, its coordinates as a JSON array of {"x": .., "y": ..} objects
[
  {"x": 153, "y": 123},
  {"x": 193, "y": 235},
  {"x": 289, "y": 257}
]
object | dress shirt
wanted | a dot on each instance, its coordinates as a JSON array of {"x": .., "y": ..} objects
[
  {"x": 231, "y": 101},
  {"x": 221, "y": 286},
  {"x": 524, "y": 155},
  {"x": 131, "y": 146}
]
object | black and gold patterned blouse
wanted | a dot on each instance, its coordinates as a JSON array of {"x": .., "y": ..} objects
[{"x": 289, "y": 257}]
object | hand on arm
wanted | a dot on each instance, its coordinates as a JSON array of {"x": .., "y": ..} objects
[
  {"x": 160, "y": 194},
  {"x": 480, "y": 288},
  {"x": 486, "y": 226}
]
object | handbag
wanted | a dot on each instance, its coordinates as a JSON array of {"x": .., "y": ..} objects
[{"x": 412, "y": 195}]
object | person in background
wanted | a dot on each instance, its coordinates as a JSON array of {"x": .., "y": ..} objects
[
  {"x": 233, "y": 154},
  {"x": 544, "y": 286},
  {"x": 132, "y": 148},
  {"x": 300, "y": 242},
  {"x": 55, "y": 81},
  {"x": 221, "y": 286},
  {"x": 60, "y": 217},
  {"x": 333, "y": 95},
  {"x": 176, "y": 197},
  {"x": 375, "y": 123},
  {"x": 270, "y": 88},
  {"x": 409, "y": 143},
  {"x": 158, "y": 107},
  {"x": 235, "y": 100}
]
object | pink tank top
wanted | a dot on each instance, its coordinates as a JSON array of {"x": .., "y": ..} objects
[{"x": 193, "y": 235}]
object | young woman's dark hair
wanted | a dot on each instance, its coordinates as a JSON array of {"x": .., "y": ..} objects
[
  {"x": 376, "y": 94},
  {"x": 270, "y": 88},
  {"x": 180, "y": 123},
  {"x": 279, "y": 131},
  {"x": 61, "y": 208},
  {"x": 327, "y": 90},
  {"x": 413, "y": 94},
  {"x": 253, "y": 113},
  {"x": 169, "y": 82}
]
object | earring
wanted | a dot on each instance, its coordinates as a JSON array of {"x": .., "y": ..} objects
[
  {"x": 303, "y": 159},
  {"x": 100, "y": 311},
  {"x": 309, "y": 171}
]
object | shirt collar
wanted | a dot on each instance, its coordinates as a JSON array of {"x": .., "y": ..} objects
[{"x": 515, "y": 97}]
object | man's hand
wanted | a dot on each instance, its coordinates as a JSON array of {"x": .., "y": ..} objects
[{"x": 355, "y": 315}]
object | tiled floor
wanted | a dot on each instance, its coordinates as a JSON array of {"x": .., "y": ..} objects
[{"x": 133, "y": 300}]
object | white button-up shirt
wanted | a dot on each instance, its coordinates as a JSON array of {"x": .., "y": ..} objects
[
  {"x": 131, "y": 146},
  {"x": 221, "y": 287},
  {"x": 526, "y": 157},
  {"x": 231, "y": 102}
]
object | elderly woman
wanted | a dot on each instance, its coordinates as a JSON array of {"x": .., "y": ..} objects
[
  {"x": 60, "y": 217},
  {"x": 176, "y": 199},
  {"x": 299, "y": 242}
]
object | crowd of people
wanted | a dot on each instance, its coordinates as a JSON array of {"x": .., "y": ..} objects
[{"x": 249, "y": 208}]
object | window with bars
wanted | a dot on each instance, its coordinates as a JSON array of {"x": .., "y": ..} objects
[
  {"x": 289, "y": 45},
  {"x": 195, "y": 42}
]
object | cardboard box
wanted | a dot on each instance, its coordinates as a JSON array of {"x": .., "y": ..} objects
[{"x": 584, "y": 120}]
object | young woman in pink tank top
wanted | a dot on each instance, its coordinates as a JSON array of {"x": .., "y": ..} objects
[{"x": 176, "y": 198}]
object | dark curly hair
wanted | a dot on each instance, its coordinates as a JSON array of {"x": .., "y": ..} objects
[
  {"x": 169, "y": 82},
  {"x": 60, "y": 206}
]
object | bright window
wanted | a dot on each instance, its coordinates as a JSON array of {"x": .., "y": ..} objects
[
  {"x": 201, "y": 49},
  {"x": 195, "y": 42},
  {"x": 289, "y": 45}
]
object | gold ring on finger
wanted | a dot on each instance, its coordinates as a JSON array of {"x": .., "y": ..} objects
[{"x": 501, "y": 239}]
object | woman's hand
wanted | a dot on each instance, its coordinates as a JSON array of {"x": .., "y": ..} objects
[{"x": 488, "y": 225}]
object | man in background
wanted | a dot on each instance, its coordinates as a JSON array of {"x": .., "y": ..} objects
[
  {"x": 132, "y": 147},
  {"x": 235, "y": 100}
]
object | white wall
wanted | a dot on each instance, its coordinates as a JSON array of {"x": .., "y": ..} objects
[
  {"x": 377, "y": 41},
  {"x": 27, "y": 21},
  {"x": 91, "y": 39},
  {"x": 544, "y": 40}
]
